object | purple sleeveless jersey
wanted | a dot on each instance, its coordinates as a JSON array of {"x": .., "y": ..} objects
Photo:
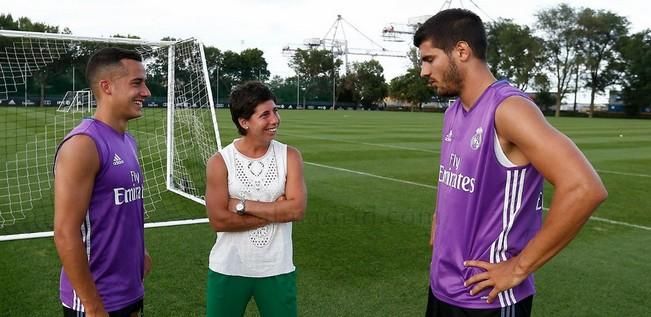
[
  {"x": 113, "y": 230},
  {"x": 484, "y": 210}
]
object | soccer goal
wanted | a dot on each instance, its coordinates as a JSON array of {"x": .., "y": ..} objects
[
  {"x": 77, "y": 101},
  {"x": 176, "y": 135}
]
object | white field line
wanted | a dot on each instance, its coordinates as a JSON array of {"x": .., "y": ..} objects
[
  {"x": 363, "y": 143},
  {"x": 614, "y": 222},
  {"x": 46, "y": 234},
  {"x": 434, "y": 151},
  {"x": 621, "y": 223},
  {"x": 624, "y": 173},
  {"x": 371, "y": 175}
]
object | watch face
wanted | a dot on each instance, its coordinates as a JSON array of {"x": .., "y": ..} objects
[{"x": 239, "y": 207}]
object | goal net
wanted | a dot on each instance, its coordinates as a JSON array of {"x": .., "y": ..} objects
[
  {"x": 77, "y": 101},
  {"x": 176, "y": 135}
]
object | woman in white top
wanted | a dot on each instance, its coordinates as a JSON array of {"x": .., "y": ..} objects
[{"x": 254, "y": 191}]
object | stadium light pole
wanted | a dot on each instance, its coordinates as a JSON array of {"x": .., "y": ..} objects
[
  {"x": 334, "y": 83},
  {"x": 217, "y": 86},
  {"x": 298, "y": 88},
  {"x": 334, "y": 79}
]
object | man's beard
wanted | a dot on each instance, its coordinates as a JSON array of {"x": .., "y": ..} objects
[{"x": 452, "y": 81}]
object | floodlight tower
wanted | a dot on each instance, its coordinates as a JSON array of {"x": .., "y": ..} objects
[
  {"x": 400, "y": 32},
  {"x": 336, "y": 41}
]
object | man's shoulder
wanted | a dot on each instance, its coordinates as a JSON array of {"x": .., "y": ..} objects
[
  {"x": 77, "y": 142},
  {"x": 503, "y": 90},
  {"x": 131, "y": 139},
  {"x": 88, "y": 127},
  {"x": 84, "y": 126},
  {"x": 84, "y": 134}
]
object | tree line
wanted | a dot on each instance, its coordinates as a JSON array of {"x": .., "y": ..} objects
[
  {"x": 567, "y": 49},
  {"x": 573, "y": 48}
]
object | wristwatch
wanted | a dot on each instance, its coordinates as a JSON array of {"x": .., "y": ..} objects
[{"x": 240, "y": 208}]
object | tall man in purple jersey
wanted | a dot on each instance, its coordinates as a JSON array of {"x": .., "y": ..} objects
[
  {"x": 496, "y": 148},
  {"x": 98, "y": 196}
]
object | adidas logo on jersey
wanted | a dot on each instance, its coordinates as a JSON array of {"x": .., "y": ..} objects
[
  {"x": 117, "y": 160},
  {"x": 448, "y": 137}
]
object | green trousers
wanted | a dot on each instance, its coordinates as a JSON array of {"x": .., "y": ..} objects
[{"x": 227, "y": 296}]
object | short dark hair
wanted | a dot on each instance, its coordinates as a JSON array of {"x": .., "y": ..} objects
[
  {"x": 244, "y": 99},
  {"x": 448, "y": 27},
  {"x": 106, "y": 57}
]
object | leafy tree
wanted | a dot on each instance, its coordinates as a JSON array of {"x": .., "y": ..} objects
[
  {"x": 348, "y": 89},
  {"x": 7, "y": 22},
  {"x": 25, "y": 24},
  {"x": 236, "y": 68},
  {"x": 284, "y": 89},
  {"x": 156, "y": 67},
  {"x": 411, "y": 88},
  {"x": 316, "y": 69},
  {"x": 636, "y": 54},
  {"x": 599, "y": 33},
  {"x": 214, "y": 61},
  {"x": 514, "y": 52},
  {"x": 372, "y": 87},
  {"x": 414, "y": 59},
  {"x": 253, "y": 65},
  {"x": 39, "y": 74},
  {"x": 558, "y": 26},
  {"x": 544, "y": 99},
  {"x": 312, "y": 63},
  {"x": 229, "y": 74}
]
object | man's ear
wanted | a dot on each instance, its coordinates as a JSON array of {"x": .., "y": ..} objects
[
  {"x": 462, "y": 51},
  {"x": 105, "y": 86}
]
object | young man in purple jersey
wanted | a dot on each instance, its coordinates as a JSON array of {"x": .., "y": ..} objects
[
  {"x": 487, "y": 231},
  {"x": 98, "y": 196}
]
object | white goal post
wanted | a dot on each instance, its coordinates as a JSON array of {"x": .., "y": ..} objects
[
  {"x": 176, "y": 135},
  {"x": 77, "y": 101}
]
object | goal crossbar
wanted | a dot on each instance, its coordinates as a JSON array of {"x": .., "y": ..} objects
[{"x": 60, "y": 36}]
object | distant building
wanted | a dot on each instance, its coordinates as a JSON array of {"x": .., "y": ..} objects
[
  {"x": 584, "y": 107},
  {"x": 615, "y": 102}
]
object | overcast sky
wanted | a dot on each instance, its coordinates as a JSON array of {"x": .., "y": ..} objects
[{"x": 271, "y": 25}]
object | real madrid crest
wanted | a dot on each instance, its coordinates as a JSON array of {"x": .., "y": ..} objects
[{"x": 475, "y": 142}]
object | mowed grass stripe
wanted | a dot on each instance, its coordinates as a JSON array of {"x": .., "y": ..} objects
[
  {"x": 636, "y": 149},
  {"x": 371, "y": 175},
  {"x": 623, "y": 170},
  {"x": 621, "y": 223},
  {"x": 362, "y": 248},
  {"x": 391, "y": 146}
]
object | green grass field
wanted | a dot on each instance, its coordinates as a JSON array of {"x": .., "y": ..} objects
[{"x": 362, "y": 249}]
